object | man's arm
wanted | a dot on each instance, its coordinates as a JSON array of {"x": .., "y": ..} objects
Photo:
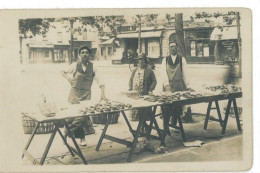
[
  {"x": 98, "y": 78},
  {"x": 164, "y": 76},
  {"x": 71, "y": 70}
]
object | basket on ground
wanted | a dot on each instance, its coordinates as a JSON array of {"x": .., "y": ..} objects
[
  {"x": 44, "y": 128},
  {"x": 103, "y": 118}
]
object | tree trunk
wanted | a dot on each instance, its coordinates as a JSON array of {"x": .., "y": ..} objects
[
  {"x": 180, "y": 34},
  {"x": 21, "y": 49},
  {"x": 139, "y": 39},
  {"x": 71, "y": 42},
  {"x": 187, "y": 117},
  {"x": 239, "y": 44}
]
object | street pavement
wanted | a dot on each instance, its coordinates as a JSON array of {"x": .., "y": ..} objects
[{"x": 38, "y": 79}]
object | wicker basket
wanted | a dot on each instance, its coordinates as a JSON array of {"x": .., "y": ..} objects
[
  {"x": 29, "y": 125},
  {"x": 103, "y": 118}
]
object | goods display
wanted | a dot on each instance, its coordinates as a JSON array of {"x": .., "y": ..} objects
[
  {"x": 224, "y": 89},
  {"x": 106, "y": 107}
]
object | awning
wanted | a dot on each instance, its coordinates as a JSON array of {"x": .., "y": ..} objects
[
  {"x": 110, "y": 41},
  {"x": 228, "y": 33},
  {"x": 41, "y": 45},
  {"x": 152, "y": 34}
]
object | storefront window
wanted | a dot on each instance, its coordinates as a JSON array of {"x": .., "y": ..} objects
[
  {"x": 199, "y": 49},
  {"x": 46, "y": 54},
  {"x": 193, "y": 48},
  {"x": 153, "y": 49},
  {"x": 206, "y": 49}
]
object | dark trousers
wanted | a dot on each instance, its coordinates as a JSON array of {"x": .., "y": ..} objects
[
  {"x": 170, "y": 114},
  {"x": 76, "y": 127}
]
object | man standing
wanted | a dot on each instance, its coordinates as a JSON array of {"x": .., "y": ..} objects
[
  {"x": 174, "y": 76},
  {"x": 83, "y": 73}
]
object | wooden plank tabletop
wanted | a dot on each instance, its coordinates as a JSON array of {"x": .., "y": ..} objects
[{"x": 74, "y": 111}]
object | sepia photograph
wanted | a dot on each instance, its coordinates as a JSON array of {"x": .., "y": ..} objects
[{"x": 130, "y": 89}]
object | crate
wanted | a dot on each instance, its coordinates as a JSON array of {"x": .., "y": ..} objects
[
  {"x": 103, "y": 118},
  {"x": 29, "y": 125}
]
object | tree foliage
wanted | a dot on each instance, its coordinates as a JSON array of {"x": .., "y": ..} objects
[
  {"x": 36, "y": 26},
  {"x": 228, "y": 17}
]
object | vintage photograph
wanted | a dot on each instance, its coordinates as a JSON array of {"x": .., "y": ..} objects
[{"x": 159, "y": 86}]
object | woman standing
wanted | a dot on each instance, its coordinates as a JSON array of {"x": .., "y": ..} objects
[{"x": 143, "y": 81}]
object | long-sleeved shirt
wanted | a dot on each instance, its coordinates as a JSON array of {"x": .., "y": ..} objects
[
  {"x": 98, "y": 78},
  {"x": 164, "y": 75}
]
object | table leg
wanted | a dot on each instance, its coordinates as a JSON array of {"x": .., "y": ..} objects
[
  {"x": 236, "y": 114},
  {"x": 48, "y": 146},
  {"x": 166, "y": 119},
  {"x": 151, "y": 122},
  {"x": 31, "y": 138},
  {"x": 64, "y": 140},
  {"x": 133, "y": 146},
  {"x": 103, "y": 133},
  {"x": 75, "y": 143},
  {"x": 219, "y": 114},
  {"x": 127, "y": 122},
  {"x": 226, "y": 117},
  {"x": 207, "y": 116},
  {"x": 182, "y": 130}
]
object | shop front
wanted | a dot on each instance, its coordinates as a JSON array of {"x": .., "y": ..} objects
[
  {"x": 226, "y": 44},
  {"x": 40, "y": 52},
  {"x": 61, "y": 53},
  {"x": 150, "y": 44}
]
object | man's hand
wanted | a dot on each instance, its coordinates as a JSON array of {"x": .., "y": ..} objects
[
  {"x": 190, "y": 89},
  {"x": 103, "y": 98},
  {"x": 150, "y": 93},
  {"x": 66, "y": 77}
]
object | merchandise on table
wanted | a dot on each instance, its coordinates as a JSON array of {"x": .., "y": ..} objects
[
  {"x": 224, "y": 89},
  {"x": 104, "y": 110}
]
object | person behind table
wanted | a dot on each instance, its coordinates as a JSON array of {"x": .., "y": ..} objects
[
  {"x": 174, "y": 77},
  {"x": 83, "y": 73},
  {"x": 143, "y": 81}
]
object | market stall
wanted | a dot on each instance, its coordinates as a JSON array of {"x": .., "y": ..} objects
[{"x": 52, "y": 124}]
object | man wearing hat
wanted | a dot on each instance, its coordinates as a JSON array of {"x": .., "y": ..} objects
[
  {"x": 83, "y": 73},
  {"x": 174, "y": 76}
]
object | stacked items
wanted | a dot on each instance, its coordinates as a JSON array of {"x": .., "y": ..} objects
[
  {"x": 106, "y": 107},
  {"x": 103, "y": 111},
  {"x": 172, "y": 97},
  {"x": 224, "y": 89}
]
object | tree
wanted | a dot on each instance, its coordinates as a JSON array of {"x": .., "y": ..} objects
[{"x": 31, "y": 27}]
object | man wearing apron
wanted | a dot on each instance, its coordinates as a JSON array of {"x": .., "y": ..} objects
[
  {"x": 83, "y": 73},
  {"x": 174, "y": 78}
]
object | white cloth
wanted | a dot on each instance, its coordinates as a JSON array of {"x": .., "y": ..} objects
[
  {"x": 98, "y": 78},
  {"x": 196, "y": 143},
  {"x": 138, "y": 80},
  {"x": 164, "y": 75}
]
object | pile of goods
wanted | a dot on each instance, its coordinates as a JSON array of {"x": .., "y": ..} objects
[
  {"x": 104, "y": 110},
  {"x": 172, "y": 97},
  {"x": 224, "y": 89},
  {"x": 106, "y": 107}
]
